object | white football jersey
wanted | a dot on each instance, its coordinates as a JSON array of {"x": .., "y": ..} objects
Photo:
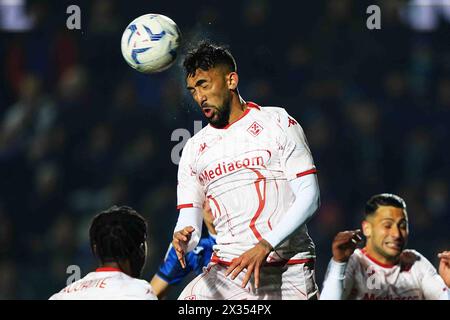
[
  {"x": 243, "y": 170},
  {"x": 107, "y": 284},
  {"x": 413, "y": 278}
]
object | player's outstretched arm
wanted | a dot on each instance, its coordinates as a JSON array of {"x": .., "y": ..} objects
[
  {"x": 187, "y": 232},
  {"x": 344, "y": 244}
]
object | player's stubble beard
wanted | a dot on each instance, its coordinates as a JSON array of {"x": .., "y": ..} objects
[{"x": 221, "y": 114}]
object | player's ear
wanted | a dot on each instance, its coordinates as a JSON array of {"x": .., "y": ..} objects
[
  {"x": 232, "y": 80},
  {"x": 366, "y": 228}
]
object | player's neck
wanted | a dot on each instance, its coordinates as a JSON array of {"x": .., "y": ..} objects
[
  {"x": 238, "y": 106},
  {"x": 124, "y": 267},
  {"x": 379, "y": 258}
]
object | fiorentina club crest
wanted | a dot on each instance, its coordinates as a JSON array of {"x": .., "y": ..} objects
[{"x": 255, "y": 129}]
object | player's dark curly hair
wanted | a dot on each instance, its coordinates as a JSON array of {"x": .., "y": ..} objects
[
  {"x": 119, "y": 234},
  {"x": 207, "y": 55},
  {"x": 383, "y": 199}
]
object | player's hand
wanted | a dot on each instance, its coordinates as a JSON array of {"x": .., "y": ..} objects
[
  {"x": 444, "y": 266},
  {"x": 344, "y": 244},
  {"x": 180, "y": 242},
  {"x": 252, "y": 260}
]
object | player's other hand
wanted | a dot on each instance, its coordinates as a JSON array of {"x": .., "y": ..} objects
[
  {"x": 344, "y": 244},
  {"x": 180, "y": 241},
  {"x": 252, "y": 260},
  {"x": 444, "y": 266}
]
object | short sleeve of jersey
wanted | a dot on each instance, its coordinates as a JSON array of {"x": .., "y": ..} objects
[
  {"x": 139, "y": 290},
  {"x": 294, "y": 146},
  {"x": 189, "y": 190}
]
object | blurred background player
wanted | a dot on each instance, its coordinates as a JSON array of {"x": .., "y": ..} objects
[
  {"x": 118, "y": 240},
  {"x": 170, "y": 271},
  {"x": 254, "y": 166},
  {"x": 383, "y": 269}
]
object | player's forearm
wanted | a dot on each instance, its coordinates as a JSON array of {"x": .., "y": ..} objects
[
  {"x": 306, "y": 190},
  {"x": 191, "y": 217},
  {"x": 333, "y": 286},
  {"x": 159, "y": 286}
]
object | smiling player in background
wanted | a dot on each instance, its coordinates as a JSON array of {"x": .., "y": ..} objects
[{"x": 383, "y": 269}]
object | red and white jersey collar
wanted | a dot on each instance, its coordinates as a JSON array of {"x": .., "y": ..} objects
[
  {"x": 108, "y": 269},
  {"x": 381, "y": 264},
  {"x": 250, "y": 105}
]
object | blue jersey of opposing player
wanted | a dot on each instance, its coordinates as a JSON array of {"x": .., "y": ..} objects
[{"x": 172, "y": 272}]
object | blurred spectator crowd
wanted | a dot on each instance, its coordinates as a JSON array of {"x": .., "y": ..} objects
[{"x": 80, "y": 130}]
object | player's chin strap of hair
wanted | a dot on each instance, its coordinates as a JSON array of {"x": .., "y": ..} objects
[
  {"x": 307, "y": 201},
  {"x": 191, "y": 217}
]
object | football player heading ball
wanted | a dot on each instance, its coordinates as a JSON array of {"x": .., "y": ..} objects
[{"x": 254, "y": 166}]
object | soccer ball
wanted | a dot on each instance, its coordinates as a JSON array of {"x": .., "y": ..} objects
[{"x": 150, "y": 42}]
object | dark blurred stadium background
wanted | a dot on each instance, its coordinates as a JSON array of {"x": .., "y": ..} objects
[{"x": 81, "y": 131}]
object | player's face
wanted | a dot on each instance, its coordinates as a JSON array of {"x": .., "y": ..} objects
[
  {"x": 210, "y": 90},
  {"x": 387, "y": 232}
]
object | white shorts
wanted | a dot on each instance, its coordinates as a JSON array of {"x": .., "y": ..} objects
[{"x": 289, "y": 282}]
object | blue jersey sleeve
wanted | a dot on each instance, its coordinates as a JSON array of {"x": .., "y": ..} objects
[{"x": 172, "y": 272}]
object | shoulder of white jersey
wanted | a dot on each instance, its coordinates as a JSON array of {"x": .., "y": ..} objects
[
  {"x": 284, "y": 120},
  {"x": 188, "y": 145},
  {"x": 278, "y": 112},
  {"x": 60, "y": 295},
  {"x": 200, "y": 134},
  {"x": 139, "y": 289},
  {"x": 273, "y": 109},
  {"x": 120, "y": 286},
  {"x": 197, "y": 139},
  {"x": 356, "y": 256},
  {"x": 54, "y": 296}
]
